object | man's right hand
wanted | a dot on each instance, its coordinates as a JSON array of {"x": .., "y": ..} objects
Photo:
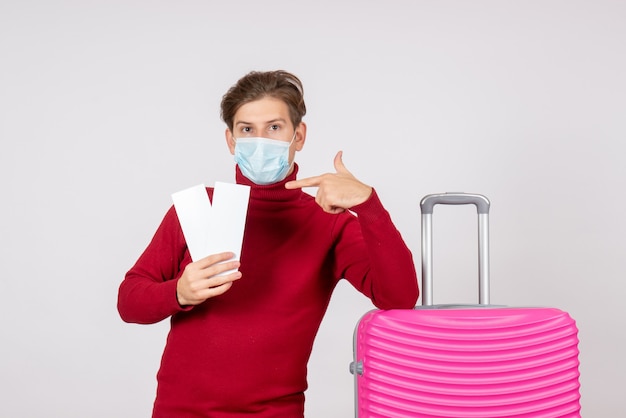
[{"x": 200, "y": 280}]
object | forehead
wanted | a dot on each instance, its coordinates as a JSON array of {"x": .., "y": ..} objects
[{"x": 262, "y": 110}]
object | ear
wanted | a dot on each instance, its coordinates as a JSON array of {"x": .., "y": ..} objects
[
  {"x": 230, "y": 141},
  {"x": 300, "y": 136}
]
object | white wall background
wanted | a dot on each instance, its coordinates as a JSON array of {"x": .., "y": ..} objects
[{"x": 107, "y": 107}]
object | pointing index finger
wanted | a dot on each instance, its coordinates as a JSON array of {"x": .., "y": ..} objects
[{"x": 306, "y": 182}]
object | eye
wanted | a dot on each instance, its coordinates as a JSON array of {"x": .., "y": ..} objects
[
  {"x": 274, "y": 127},
  {"x": 246, "y": 130}
]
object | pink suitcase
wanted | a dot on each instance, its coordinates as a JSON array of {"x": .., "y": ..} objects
[{"x": 465, "y": 361}]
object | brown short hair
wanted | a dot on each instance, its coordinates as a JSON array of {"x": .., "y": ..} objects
[{"x": 256, "y": 85}]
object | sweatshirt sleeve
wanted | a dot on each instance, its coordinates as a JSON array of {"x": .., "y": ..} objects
[
  {"x": 374, "y": 258},
  {"x": 148, "y": 292}
]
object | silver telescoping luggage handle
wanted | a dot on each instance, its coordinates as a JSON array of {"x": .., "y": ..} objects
[{"x": 482, "y": 207}]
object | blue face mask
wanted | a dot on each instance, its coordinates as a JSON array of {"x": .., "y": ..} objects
[{"x": 262, "y": 160}]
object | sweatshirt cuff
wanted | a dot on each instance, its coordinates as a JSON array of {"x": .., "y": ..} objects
[
  {"x": 371, "y": 210},
  {"x": 172, "y": 297}
]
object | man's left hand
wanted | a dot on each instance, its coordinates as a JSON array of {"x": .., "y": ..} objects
[{"x": 336, "y": 191}]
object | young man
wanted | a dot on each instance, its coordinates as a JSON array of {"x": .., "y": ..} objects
[{"x": 239, "y": 343}]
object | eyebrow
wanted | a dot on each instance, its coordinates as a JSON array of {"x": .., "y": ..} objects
[{"x": 242, "y": 122}]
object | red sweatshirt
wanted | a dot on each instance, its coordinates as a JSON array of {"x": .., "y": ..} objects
[{"x": 246, "y": 352}]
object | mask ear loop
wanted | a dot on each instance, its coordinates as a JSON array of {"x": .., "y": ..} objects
[{"x": 293, "y": 138}]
